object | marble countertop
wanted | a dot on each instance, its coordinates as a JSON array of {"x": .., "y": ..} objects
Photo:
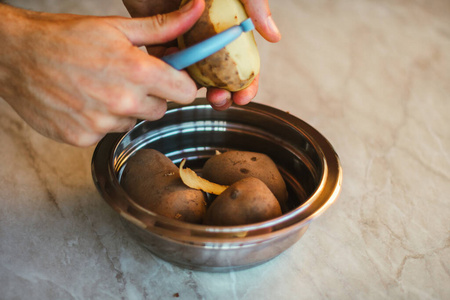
[{"x": 372, "y": 76}]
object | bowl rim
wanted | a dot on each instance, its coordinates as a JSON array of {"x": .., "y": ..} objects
[{"x": 325, "y": 194}]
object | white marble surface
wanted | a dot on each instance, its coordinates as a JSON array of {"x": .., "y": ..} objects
[{"x": 372, "y": 76}]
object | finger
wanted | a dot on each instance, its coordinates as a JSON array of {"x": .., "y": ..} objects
[
  {"x": 65, "y": 127},
  {"x": 145, "y": 75},
  {"x": 84, "y": 139},
  {"x": 161, "y": 28},
  {"x": 246, "y": 95},
  {"x": 218, "y": 98},
  {"x": 137, "y": 107},
  {"x": 151, "y": 108},
  {"x": 76, "y": 135},
  {"x": 262, "y": 18},
  {"x": 168, "y": 83},
  {"x": 124, "y": 124},
  {"x": 108, "y": 123},
  {"x": 146, "y": 108},
  {"x": 102, "y": 122}
]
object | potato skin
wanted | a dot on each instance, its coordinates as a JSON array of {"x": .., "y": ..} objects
[
  {"x": 232, "y": 166},
  {"x": 218, "y": 70},
  {"x": 152, "y": 180},
  {"x": 247, "y": 201}
]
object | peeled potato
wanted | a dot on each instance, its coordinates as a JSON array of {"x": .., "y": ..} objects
[{"x": 232, "y": 68}]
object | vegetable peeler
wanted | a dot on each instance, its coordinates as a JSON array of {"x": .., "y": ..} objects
[{"x": 199, "y": 51}]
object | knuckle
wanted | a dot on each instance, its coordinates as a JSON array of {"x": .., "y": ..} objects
[
  {"x": 159, "y": 20},
  {"x": 123, "y": 104},
  {"x": 101, "y": 124},
  {"x": 137, "y": 69}
]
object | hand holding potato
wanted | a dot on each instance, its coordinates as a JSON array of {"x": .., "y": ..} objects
[
  {"x": 75, "y": 78},
  {"x": 258, "y": 10}
]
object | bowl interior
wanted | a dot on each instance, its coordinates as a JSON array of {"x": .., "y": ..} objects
[{"x": 197, "y": 132}]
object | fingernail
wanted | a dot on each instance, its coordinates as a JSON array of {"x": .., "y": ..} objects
[
  {"x": 273, "y": 27},
  {"x": 223, "y": 104},
  {"x": 187, "y": 6}
]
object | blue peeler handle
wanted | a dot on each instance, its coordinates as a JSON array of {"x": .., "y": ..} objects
[{"x": 202, "y": 50}]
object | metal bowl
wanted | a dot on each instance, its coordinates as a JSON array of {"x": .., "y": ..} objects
[{"x": 305, "y": 158}]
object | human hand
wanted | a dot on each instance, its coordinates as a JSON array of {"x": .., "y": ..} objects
[
  {"x": 260, "y": 14},
  {"x": 75, "y": 78}
]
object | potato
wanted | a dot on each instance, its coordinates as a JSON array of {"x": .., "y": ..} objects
[
  {"x": 232, "y": 166},
  {"x": 246, "y": 201},
  {"x": 152, "y": 180},
  {"x": 232, "y": 68}
]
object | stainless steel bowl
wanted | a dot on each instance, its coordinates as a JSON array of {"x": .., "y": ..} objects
[{"x": 305, "y": 158}]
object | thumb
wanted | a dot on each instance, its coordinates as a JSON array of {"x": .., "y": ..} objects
[
  {"x": 161, "y": 29},
  {"x": 261, "y": 16}
]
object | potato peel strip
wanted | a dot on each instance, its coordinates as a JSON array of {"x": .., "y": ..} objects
[{"x": 192, "y": 180}]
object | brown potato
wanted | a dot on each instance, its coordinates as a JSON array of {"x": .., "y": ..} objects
[
  {"x": 152, "y": 180},
  {"x": 232, "y": 166},
  {"x": 232, "y": 68},
  {"x": 247, "y": 201}
]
